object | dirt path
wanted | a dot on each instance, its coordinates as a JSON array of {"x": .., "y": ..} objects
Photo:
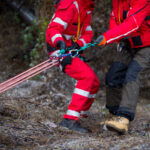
[{"x": 32, "y": 124}]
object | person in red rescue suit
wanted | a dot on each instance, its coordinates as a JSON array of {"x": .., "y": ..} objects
[
  {"x": 70, "y": 28},
  {"x": 130, "y": 27}
]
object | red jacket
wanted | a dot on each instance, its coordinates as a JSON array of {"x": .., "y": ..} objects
[
  {"x": 64, "y": 23},
  {"x": 130, "y": 19}
]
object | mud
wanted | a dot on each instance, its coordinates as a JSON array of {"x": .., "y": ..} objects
[{"x": 34, "y": 124}]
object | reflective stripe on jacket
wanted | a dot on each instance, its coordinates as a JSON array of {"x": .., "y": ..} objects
[
  {"x": 64, "y": 23},
  {"x": 130, "y": 19}
]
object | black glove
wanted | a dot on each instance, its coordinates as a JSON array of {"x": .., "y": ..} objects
[
  {"x": 61, "y": 45},
  {"x": 74, "y": 46}
]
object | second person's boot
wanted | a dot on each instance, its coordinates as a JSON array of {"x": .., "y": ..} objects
[{"x": 119, "y": 124}]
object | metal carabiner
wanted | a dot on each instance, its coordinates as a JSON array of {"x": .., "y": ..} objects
[{"x": 74, "y": 52}]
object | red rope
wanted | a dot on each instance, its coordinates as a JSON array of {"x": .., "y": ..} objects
[{"x": 27, "y": 74}]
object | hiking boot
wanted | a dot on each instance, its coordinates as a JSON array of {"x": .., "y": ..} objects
[
  {"x": 119, "y": 124},
  {"x": 73, "y": 125},
  {"x": 109, "y": 117}
]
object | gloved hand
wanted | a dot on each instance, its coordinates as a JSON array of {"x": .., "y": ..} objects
[
  {"x": 100, "y": 40},
  {"x": 74, "y": 46},
  {"x": 54, "y": 55},
  {"x": 62, "y": 46}
]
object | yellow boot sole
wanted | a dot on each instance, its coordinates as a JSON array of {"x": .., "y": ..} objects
[{"x": 112, "y": 127}]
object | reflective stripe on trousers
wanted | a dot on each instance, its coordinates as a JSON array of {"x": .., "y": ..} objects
[{"x": 85, "y": 90}]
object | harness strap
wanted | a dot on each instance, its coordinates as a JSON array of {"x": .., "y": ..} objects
[
  {"x": 119, "y": 15},
  {"x": 79, "y": 25}
]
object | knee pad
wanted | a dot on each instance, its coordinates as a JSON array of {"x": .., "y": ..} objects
[
  {"x": 133, "y": 69},
  {"x": 116, "y": 75},
  {"x": 66, "y": 61}
]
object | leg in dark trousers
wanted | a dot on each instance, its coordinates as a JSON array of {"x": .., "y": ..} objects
[
  {"x": 114, "y": 80},
  {"x": 130, "y": 91}
]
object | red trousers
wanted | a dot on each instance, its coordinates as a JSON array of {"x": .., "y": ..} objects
[{"x": 85, "y": 89}]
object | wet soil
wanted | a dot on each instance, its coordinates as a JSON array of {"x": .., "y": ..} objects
[{"x": 33, "y": 124}]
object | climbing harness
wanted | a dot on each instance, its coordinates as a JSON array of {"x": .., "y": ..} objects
[{"x": 40, "y": 68}]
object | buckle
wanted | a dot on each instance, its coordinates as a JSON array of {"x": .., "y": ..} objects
[{"x": 119, "y": 47}]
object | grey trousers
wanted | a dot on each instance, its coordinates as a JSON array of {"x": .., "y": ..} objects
[{"x": 123, "y": 100}]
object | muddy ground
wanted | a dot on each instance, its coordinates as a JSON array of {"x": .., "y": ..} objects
[
  {"x": 32, "y": 123},
  {"x": 30, "y": 113}
]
